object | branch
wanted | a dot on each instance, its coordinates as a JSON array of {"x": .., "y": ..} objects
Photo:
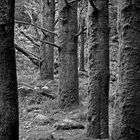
[
  {"x": 80, "y": 32},
  {"x": 33, "y": 59},
  {"x": 37, "y": 57},
  {"x": 30, "y": 39},
  {"x": 36, "y": 29},
  {"x": 55, "y": 22},
  {"x": 49, "y": 43},
  {"x": 81, "y": 10},
  {"x": 26, "y": 23},
  {"x": 93, "y": 5},
  {"x": 66, "y": 2}
]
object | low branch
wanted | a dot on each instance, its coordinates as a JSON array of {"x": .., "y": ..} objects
[
  {"x": 34, "y": 55},
  {"x": 49, "y": 43},
  {"x": 26, "y": 23},
  {"x": 33, "y": 59},
  {"x": 56, "y": 22},
  {"x": 66, "y": 2},
  {"x": 30, "y": 39},
  {"x": 80, "y": 32},
  {"x": 93, "y": 5},
  {"x": 81, "y": 10}
]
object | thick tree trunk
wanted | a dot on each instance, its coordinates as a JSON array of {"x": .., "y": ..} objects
[
  {"x": 47, "y": 51},
  {"x": 8, "y": 82},
  {"x": 98, "y": 34},
  {"x": 68, "y": 69},
  {"x": 127, "y": 121},
  {"x": 82, "y": 39}
]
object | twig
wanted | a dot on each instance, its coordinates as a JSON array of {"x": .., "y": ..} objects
[
  {"x": 66, "y": 2},
  {"x": 30, "y": 39},
  {"x": 49, "y": 43},
  {"x": 93, "y": 5},
  {"x": 33, "y": 59},
  {"x": 56, "y": 22},
  {"x": 80, "y": 32},
  {"x": 26, "y": 23}
]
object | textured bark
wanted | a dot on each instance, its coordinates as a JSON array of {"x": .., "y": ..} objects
[
  {"x": 47, "y": 51},
  {"x": 68, "y": 69},
  {"x": 82, "y": 39},
  {"x": 127, "y": 118},
  {"x": 8, "y": 81},
  {"x": 98, "y": 34}
]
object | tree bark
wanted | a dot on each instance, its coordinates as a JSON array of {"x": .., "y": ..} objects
[
  {"x": 68, "y": 69},
  {"x": 9, "y": 124},
  {"x": 82, "y": 39},
  {"x": 47, "y": 51},
  {"x": 98, "y": 34},
  {"x": 126, "y": 125}
]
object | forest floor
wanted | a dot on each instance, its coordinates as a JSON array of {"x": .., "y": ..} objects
[{"x": 40, "y": 117}]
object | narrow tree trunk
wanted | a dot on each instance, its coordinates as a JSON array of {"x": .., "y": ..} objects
[
  {"x": 98, "y": 34},
  {"x": 47, "y": 51},
  {"x": 127, "y": 121},
  {"x": 8, "y": 82},
  {"x": 68, "y": 69},
  {"x": 82, "y": 39}
]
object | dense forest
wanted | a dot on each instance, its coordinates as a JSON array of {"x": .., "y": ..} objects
[{"x": 69, "y": 69}]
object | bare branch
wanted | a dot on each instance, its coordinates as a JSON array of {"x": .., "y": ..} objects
[
  {"x": 56, "y": 22},
  {"x": 49, "y": 43},
  {"x": 80, "y": 32},
  {"x": 36, "y": 29},
  {"x": 34, "y": 55},
  {"x": 30, "y": 39},
  {"x": 27, "y": 54},
  {"x": 33, "y": 41},
  {"x": 26, "y": 23},
  {"x": 81, "y": 10},
  {"x": 66, "y": 2},
  {"x": 93, "y": 5}
]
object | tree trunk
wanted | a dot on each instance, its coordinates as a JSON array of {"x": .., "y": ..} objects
[
  {"x": 47, "y": 51},
  {"x": 126, "y": 125},
  {"x": 8, "y": 82},
  {"x": 68, "y": 69},
  {"x": 82, "y": 39},
  {"x": 98, "y": 34}
]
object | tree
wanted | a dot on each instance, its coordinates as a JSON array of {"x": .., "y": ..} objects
[
  {"x": 8, "y": 81},
  {"x": 126, "y": 125},
  {"x": 68, "y": 69},
  {"x": 98, "y": 34},
  {"x": 47, "y": 51}
]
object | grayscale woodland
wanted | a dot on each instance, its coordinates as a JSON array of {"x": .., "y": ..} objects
[{"x": 69, "y": 69}]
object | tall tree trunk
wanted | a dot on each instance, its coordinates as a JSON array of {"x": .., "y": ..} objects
[
  {"x": 127, "y": 121},
  {"x": 98, "y": 34},
  {"x": 8, "y": 81},
  {"x": 68, "y": 69},
  {"x": 47, "y": 51},
  {"x": 82, "y": 39}
]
